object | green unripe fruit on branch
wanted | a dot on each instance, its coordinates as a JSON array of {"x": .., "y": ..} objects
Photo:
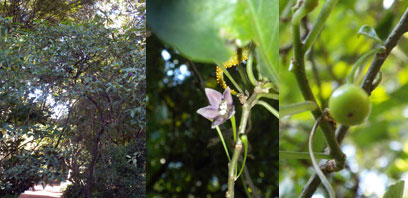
[{"x": 349, "y": 105}]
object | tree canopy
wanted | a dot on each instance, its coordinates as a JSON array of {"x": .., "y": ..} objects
[{"x": 72, "y": 98}]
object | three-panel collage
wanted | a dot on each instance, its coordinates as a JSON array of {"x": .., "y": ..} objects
[{"x": 203, "y": 99}]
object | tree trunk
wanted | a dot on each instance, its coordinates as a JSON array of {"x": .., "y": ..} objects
[{"x": 92, "y": 165}]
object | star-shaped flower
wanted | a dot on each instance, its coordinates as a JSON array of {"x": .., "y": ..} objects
[{"x": 220, "y": 109}]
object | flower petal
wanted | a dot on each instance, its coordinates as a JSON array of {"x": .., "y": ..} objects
[
  {"x": 214, "y": 97},
  {"x": 227, "y": 96},
  {"x": 208, "y": 112},
  {"x": 219, "y": 120}
]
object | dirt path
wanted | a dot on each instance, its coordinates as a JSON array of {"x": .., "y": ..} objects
[{"x": 39, "y": 192}]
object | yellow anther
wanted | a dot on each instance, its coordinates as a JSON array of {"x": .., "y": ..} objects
[{"x": 233, "y": 61}]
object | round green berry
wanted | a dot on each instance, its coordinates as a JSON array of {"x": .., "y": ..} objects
[{"x": 349, "y": 105}]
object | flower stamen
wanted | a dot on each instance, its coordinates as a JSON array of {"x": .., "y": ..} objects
[{"x": 223, "y": 108}]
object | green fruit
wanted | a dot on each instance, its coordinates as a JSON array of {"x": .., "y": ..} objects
[{"x": 349, "y": 105}]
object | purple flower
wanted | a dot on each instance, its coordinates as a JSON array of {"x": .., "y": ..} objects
[
  {"x": 220, "y": 109},
  {"x": 130, "y": 74}
]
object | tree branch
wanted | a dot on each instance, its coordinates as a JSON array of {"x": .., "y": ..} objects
[{"x": 373, "y": 70}]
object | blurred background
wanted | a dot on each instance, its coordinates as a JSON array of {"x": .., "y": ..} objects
[
  {"x": 185, "y": 157},
  {"x": 377, "y": 151}
]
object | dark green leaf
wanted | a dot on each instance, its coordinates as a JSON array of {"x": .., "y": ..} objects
[{"x": 194, "y": 27}]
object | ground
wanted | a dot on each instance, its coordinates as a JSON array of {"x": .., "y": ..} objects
[{"x": 40, "y": 192}]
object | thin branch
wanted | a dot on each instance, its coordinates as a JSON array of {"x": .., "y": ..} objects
[
  {"x": 320, "y": 21},
  {"x": 374, "y": 68},
  {"x": 248, "y": 179},
  {"x": 379, "y": 58},
  {"x": 197, "y": 74},
  {"x": 65, "y": 124}
]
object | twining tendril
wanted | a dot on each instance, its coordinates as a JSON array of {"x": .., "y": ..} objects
[
  {"x": 233, "y": 61},
  {"x": 319, "y": 172}
]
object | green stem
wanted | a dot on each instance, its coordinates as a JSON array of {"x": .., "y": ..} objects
[
  {"x": 242, "y": 75},
  {"x": 270, "y": 86},
  {"x": 223, "y": 142},
  {"x": 318, "y": 171},
  {"x": 298, "y": 14},
  {"x": 320, "y": 21},
  {"x": 269, "y": 108},
  {"x": 246, "y": 108},
  {"x": 234, "y": 128},
  {"x": 304, "y": 86},
  {"x": 360, "y": 61},
  {"x": 268, "y": 95},
  {"x": 260, "y": 77},
  {"x": 249, "y": 70},
  {"x": 301, "y": 155},
  {"x": 230, "y": 77}
]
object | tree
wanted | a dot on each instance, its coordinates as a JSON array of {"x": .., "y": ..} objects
[{"x": 73, "y": 101}]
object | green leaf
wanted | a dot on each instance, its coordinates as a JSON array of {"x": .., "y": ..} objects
[
  {"x": 194, "y": 27},
  {"x": 258, "y": 20},
  {"x": 370, "y": 33},
  {"x": 297, "y": 108},
  {"x": 210, "y": 31},
  {"x": 395, "y": 191}
]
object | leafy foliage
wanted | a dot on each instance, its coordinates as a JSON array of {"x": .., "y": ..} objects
[{"x": 26, "y": 12}]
